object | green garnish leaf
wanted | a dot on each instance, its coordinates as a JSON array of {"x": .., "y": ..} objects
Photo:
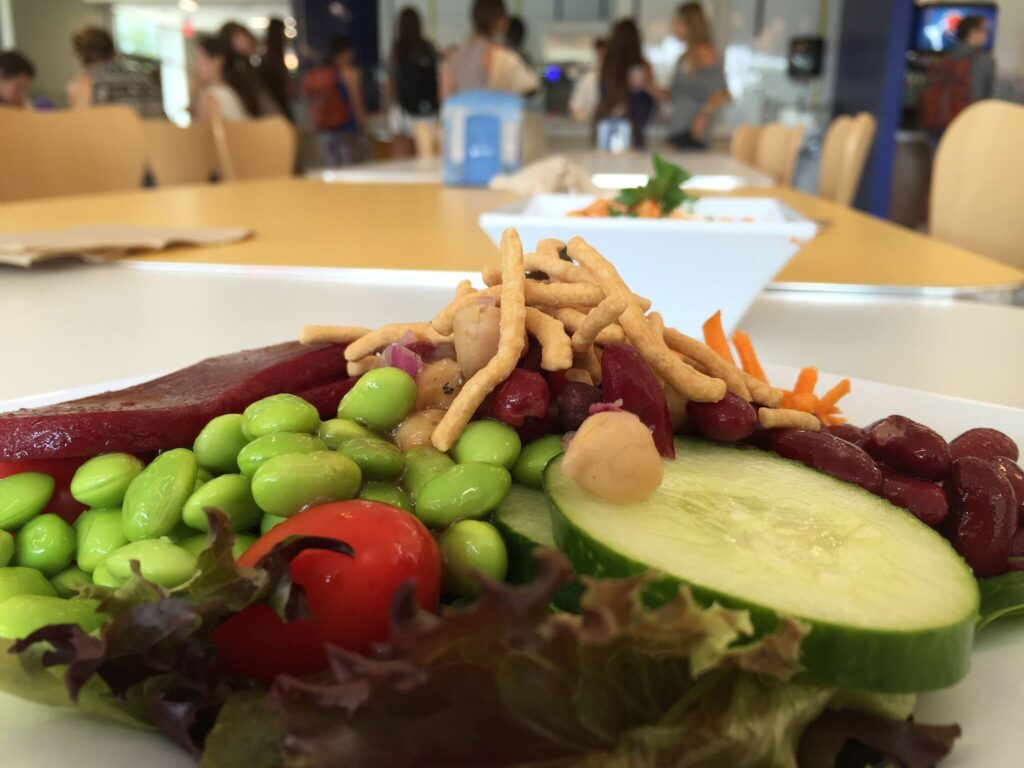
[
  {"x": 664, "y": 187},
  {"x": 1001, "y": 597}
]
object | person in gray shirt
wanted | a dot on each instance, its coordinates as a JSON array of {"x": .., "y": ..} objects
[{"x": 972, "y": 34}]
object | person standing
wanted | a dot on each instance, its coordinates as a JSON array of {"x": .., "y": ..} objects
[
  {"x": 956, "y": 80},
  {"x": 336, "y": 105},
  {"x": 586, "y": 93},
  {"x": 698, "y": 87},
  {"x": 626, "y": 82},
  {"x": 16, "y": 76},
  {"x": 413, "y": 83},
  {"x": 972, "y": 39},
  {"x": 481, "y": 63},
  {"x": 515, "y": 39},
  {"x": 273, "y": 71},
  {"x": 107, "y": 79},
  {"x": 226, "y": 91}
]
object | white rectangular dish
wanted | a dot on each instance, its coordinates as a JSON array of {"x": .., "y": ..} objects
[{"x": 687, "y": 268}]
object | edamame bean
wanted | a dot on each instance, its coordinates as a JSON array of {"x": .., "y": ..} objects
[
  {"x": 471, "y": 547},
  {"x": 22, "y": 615},
  {"x": 269, "y": 522},
  {"x": 280, "y": 413},
  {"x": 267, "y": 447},
  {"x": 160, "y": 561},
  {"x": 421, "y": 464},
  {"x": 203, "y": 476},
  {"x": 23, "y": 581},
  {"x": 102, "y": 577},
  {"x": 388, "y": 494},
  {"x": 217, "y": 445},
  {"x": 529, "y": 469},
  {"x": 380, "y": 399},
  {"x": 99, "y": 533},
  {"x": 102, "y": 481},
  {"x": 180, "y": 533},
  {"x": 378, "y": 459},
  {"x": 196, "y": 544},
  {"x": 287, "y": 484},
  {"x": 46, "y": 544},
  {"x": 71, "y": 581},
  {"x": 464, "y": 491},
  {"x": 6, "y": 548},
  {"x": 153, "y": 503},
  {"x": 232, "y": 495},
  {"x": 22, "y": 497},
  {"x": 488, "y": 441},
  {"x": 334, "y": 432}
]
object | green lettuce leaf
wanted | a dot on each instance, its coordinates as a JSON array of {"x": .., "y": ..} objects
[{"x": 1001, "y": 597}]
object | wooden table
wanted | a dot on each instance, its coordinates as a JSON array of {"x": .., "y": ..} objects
[{"x": 303, "y": 222}]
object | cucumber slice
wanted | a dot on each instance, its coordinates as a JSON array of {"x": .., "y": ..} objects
[{"x": 891, "y": 606}]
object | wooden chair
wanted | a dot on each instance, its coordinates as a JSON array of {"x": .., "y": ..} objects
[
  {"x": 978, "y": 182},
  {"x": 843, "y": 154},
  {"x": 778, "y": 147},
  {"x": 255, "y": 149},
  {"x": 743, "y": 143},
  {"x": 179, "y": 155},
  {"x": 45, "y": 154}
]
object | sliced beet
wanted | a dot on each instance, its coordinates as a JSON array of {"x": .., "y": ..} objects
[
  {"x": 325, "y": 397},
  {"x": 626, "y": 376}
]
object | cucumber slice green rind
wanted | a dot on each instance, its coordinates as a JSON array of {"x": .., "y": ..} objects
[
  {"x": 920, "y": 638},
  {"x": 1001, "y": 597}
]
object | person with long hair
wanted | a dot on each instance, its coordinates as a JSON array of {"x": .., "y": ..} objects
[
  {"x": 413, "y": 86},
  {"x": 698, "y": 88},
  {"x": 273, "y": 71},
  {"x": 626, "y": 81},
  {"x": 481, "y": 62},
  {"x": 227, "y": 90}
]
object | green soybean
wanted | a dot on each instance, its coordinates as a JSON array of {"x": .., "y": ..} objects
[
  {"x": 264, "y": 448},
  {"x": 102, "y": 480},
  {"x": 99, "y": 533},
  {"x": 203, "y": 476},
  {"x": 22, "y": 497},
  {"x": 160, "y": 561},
  {"x": 388, "y": 494},
  {"x": 102, "y": 577},
  {"x": 465, "y": 491},
  {"x": 23, "y": 581},
  {"x": 269, "y": 522},
  {"x": 196, "y": 544},
  {"x": 421, "y": 465},
  {"x": 334, "y": 432},
  {"x": 529, "y": 469},
  {"x": 280, "y": 413},
  {"x": 71, "y": 581},
  {"x": 471, "y": 547},
  {"x": 153, "y": 503},
  {"x": 46, "y": 544},
  {"x": 22, "y": 615},
  {"x": 287, "y": 484},
  {"x": 488, "y": 441},
  {"x": 6, "y": 548},
  {"x": 380, "y": 399},
  {"x": 217, "y": 445},
  {"x": 232, "y": 495},
  {"x": 378, "y": 459}
]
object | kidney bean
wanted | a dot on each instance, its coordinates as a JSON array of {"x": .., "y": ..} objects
[
  {"x": 1012, "y": 471},
  {"x": 533, "y": 428},
  {"x": 1017, "y": 544},
  {"x": 924, "y": 500},
  {"x": 626, "y": 376},
  {"x": 556, "y": 380},
  {"x": 827, "y": 453},
  {"x": 530, "y": 359},
  {"x": 730, "y": 420},
  {"x": 908, "y": 447},
  {"x": 984, "y": 443},
  {"x": 849, "y": 433},
  {"x": 523, "y": 394},
  {"x": 574, "y": 404},
  {"x": 983, "y": 515}
]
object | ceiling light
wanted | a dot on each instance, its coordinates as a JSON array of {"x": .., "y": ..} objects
[
  {"x": 291, "y": 61},
  {"x": 258, "y": 22},
  {"x": 188, "y": 6}
]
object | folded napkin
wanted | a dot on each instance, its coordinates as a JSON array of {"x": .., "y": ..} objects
[
  {"x": 106, "y": 242},
  {"x": 552, "y": 175}
]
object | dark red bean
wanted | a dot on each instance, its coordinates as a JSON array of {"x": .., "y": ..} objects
[
  {"x": 983, "y": 515},
  {"x": 1012, "y": 471},
  {"x": 521, "y": 395},
  {"x": 556, "y": 380},
  {"x": 530, "y": 359},
  {"x": 924, "y": 500},
  {"x": 849, "y": 433},
  {"x": 908, "y": 447},
  {"x": 1015, "y": 564},
  {"x": 574, "y": 404},
  {"x": 626, "y": 376},
  {"x": 534, "y": 428},
  {"x": 984, "y": 443},
  {"x": 730, "y": 420},
  {"x": 1017, "y": 545},
  {"x": 827, "y": 453}
]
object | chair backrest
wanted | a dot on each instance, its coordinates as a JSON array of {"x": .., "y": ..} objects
[
  {"x": 50, "y": 153},
  {"x": 179, "y": 155},
  {"x": 743, "y": 144},
  {"x": 978, "y": 182},
  {"x": 255, "y": 149},
  {"x": 778, "y": 147},
  {"x": 843, "y": 154}
]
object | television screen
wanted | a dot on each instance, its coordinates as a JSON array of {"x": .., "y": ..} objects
[{"x": 937, "y": 25}]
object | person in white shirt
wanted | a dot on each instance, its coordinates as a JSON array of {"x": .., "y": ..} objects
[
  {"x": 586, "y": 93},
  {"x": 226, "y": 91}
]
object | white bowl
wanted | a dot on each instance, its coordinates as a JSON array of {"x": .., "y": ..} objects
[{"x": 689, "y": 269}]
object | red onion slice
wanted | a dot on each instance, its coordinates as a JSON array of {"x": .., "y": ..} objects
[
  {"x": 615, "y": 407},
  {"x": 402, "y": 358}
]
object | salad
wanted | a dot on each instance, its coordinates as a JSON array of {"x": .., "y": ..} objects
[{"x": 539, "y": 529}]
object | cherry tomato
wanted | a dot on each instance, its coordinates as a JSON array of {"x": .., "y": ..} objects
[
  {"x": 349, "y": 597},
  {"x": 61, "y": 470}
]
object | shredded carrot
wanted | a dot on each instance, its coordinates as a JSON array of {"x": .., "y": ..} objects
[
  {"x": 806, "y": 381},
  {"x": 714, "y": 337},
  {"x": 803, "y": 401},
  {"x": 748, "y": 357},
  {"x": 834, "y": 395}
]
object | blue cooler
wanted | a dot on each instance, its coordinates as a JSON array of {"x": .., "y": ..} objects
[{"x": 483, "y": 136}]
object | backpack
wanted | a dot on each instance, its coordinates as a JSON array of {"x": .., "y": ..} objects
[
  {"x": 327, "y": 110},
  {"x": 947, "y": 92},
  {"x": 416, "y": 76}
]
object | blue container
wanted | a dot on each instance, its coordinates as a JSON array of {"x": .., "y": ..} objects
[{"x": 483, "y": 136}]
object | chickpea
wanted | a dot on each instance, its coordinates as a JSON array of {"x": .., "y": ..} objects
[
  {"x": 437, "y": 384},
  {"x": 613, "y": 457},
  {"x": 676, "y": 409},
  {"x": 579, "y": 375},
  {"x": 476, "y": 336},
  {"x": 416, "y": 430}
]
